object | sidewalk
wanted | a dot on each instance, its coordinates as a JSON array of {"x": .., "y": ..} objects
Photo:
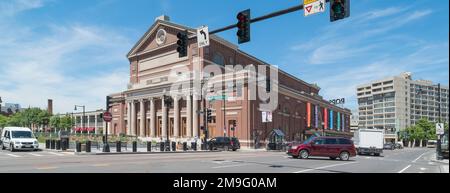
[{"x": 445, "y": 163}]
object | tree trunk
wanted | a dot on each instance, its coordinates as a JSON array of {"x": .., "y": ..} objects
[
  {"x": 421, "y": 141},
  {"x": 409, "y": 143}
]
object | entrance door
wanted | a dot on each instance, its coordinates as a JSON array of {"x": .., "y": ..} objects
[{"x": 231, "y": 123}]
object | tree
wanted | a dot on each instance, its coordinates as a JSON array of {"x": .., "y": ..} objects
[
  {"x": 65, "y": 122},
  {"x": 426, "y": 130},
  {"x": 3, "y": 121},
  {"x": 55, "y": 122}
]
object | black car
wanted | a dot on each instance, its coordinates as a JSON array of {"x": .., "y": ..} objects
[
  {"x": 225, "y": 143},
  {"x": 389, "y": 146}
]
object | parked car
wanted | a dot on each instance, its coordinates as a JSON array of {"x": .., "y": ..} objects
[
  {"x": 18, "y": 138},
  {"x": 332, "y": 147},
  {"x": 431, "y": 143},
  {"x": 225, "y": 143},
  {"x": 389, "y": 146}
]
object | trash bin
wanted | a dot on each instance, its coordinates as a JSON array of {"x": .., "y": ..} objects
[
  {"x": 47, "y": 144},
  {"x": 64, "y": 144},
  {"x": 161, "y": 146},
  {"x": 134, "y": 146},
  {"x": 118, "y": 146},
  {"x": 149, "y": 146},
  {"x": 52, "y": 144},
  {"x": 88, "y": 146},
  {"x": 167, "y": 145},
  {"x": 174, "y": 146},
  {"x": 78, "y": 146},
  {"x": 194, "y": 146},
  {"x": 58, "y": 145},
  {"x": 184, "y": 146}
]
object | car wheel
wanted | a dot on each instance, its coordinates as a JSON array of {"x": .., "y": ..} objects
[
  {"x": 11, "y": 148},
  {"x": 234, "y": 149},
  {"x": 295, "y": 156},
  {"x": 344, "y": 156},
  {"x": 3, "y": 147},
  {"x": 332, "y": 158},
  {"x": 304, "y": 154}
]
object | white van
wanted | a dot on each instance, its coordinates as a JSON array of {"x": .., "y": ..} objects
[{"x": 18, "y": 138}]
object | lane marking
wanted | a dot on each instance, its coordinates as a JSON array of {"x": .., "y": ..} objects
[
  {"x": 423, "y": 169},
  {"x": 46, "y": 168},
  {"x": 101, "y": 165},
  {"x": 323, "y": 167},
  {"x": 229, "y": 166},
  {"x": 68, "y": 153},
  {"x": 420, "y": 157},
  {"x": 55, "y": 153},
  {"x": 12, "y": 155},
  {"x": 38, "y": 155},
  {"x": 401, "y": 171}
]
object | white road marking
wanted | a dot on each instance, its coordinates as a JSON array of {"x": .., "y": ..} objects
[
  {"x": 229, "y": 166},
  {"x": 55, "y": 153},
  {"x": 431, "y": 163},
  {"x": 323, "y": 167},
  {"x": 46, "y": 168},
  {"x": 423, "y": 169},
  {"x": 38, "y": 155},
  {"x": 420, "y": 157},
  {"x": 401, "y": 171},
  {"x": 12, "y": 155}
]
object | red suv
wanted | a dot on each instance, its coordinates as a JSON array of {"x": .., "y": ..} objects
[{"x": 332, "y": 147}]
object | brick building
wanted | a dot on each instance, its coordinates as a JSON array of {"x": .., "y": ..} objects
[{"x": 140, "y": 110}]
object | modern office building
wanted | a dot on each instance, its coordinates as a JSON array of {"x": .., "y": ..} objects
[
  {"x": 354, "y": 121},
  {"x": 142, "y": 111},
  {"x": 397, "y": 102}
]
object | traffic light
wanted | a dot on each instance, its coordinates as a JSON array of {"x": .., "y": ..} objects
[
  {"x": 340, "y": 9},
  {"x": 108, "y": 101},
  {"x": 208, "y": 115},
  {"x": 101, "y": 116},
  {"x": 243, "y": 26},
  {"x": 182, "y": 43}
]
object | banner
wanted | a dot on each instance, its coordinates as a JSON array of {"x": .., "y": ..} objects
[
  {"x": 308, "y": 114},
  {"x": 325, "y": 118},
  {"x": 316, "y": 115},
  {"x": 338, "y": 126},
  {"x": 331, "y": 119}
]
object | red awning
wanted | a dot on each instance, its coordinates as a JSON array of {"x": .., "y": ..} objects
[{"x": 91, "y": 129}]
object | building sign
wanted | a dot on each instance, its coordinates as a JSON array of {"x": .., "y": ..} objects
[
  {"x": 338, "y": 101},
  {"x": 266, "y": 116}
]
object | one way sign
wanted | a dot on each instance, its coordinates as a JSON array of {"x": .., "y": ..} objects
[
  {"x": 202, "y": 37},
  {"x": 313, "y": 6}
]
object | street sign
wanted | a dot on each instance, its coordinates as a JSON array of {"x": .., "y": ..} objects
[
  {"x": 107, "y": 116},
  {"x": 313, "y": 6},
  {"x": 220, "y": 97},
  {"x": 202, "y": 37},
  {"x": 439, "y": 128},
  {"x": 266, "y": 116}
]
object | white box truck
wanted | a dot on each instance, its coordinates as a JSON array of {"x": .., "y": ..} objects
[{"x": 369, "y": 141}]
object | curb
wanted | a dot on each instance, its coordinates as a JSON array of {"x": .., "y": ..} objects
[
  {"x": 440, "y": 161},
  {"x": 131, "y": 153}
]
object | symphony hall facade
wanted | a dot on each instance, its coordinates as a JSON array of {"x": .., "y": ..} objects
[{"x": 141, "y": 110}]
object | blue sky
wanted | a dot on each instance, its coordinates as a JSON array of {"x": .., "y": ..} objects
[{"x": 74, "y": 51}]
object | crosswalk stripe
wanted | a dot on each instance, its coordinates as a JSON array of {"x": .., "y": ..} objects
[
  {"x": 55, "y": 153},
  {"x": 12, "y": 155}
]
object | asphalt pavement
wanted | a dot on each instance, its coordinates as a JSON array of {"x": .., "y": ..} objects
[{"x": 416, "y": 160}]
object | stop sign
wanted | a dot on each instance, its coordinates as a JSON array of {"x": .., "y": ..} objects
[{"x": 107, "y": 116}]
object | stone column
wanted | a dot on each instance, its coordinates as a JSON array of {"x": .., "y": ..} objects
[
  {"x": 128, "y": 131},
  {"x": 152, "y": 118},
  {"x": 164, "y": 119},
  {"x": 88, "y": 122},
  {"x": 195, "y": 119},
  {"x": 189, "y": 116},
  {"x": 176, "y": 117},
  {"x": 96, "y": 128},
  {"x": 142, "y": 123},
  {"x": 133, "y": 119}
]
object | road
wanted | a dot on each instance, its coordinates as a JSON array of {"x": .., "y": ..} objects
[{"x": 415, "y": 160}]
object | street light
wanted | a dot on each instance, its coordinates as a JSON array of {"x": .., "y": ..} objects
[
  {"x": 84, "y": 114},
  {"x": 438, "y": 148}
]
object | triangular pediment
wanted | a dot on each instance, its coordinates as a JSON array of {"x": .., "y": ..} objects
[{"x": 160, "y": 34}]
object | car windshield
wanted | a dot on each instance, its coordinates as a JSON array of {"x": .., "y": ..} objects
[
  {"x": 309, "y": 140},
  {"x": 22, "y": 134}
]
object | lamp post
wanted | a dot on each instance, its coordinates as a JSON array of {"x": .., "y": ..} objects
[{"x": 84, "y": 114}]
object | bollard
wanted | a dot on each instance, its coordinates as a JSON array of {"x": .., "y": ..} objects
[
  {"x": 64, "y": 144},
  {"x": 52, "y": 144},
  {"x": 78, "y": 146},
  {"x": 58, "y": 145},
  {"x": 194, "y": 146},
  {"x": 47, "y": 144},
  {"x": 118, "y": 146},
  {"x": 134, "y": 146},
  {"x": 167, "y": 145},
  {"x": 149, "y": 146},
  {"x": 88, "y": 146},
  {"x": 174, "y": 146}
]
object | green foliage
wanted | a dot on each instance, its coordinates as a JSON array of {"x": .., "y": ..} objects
[
  {"x": 65, "y": 122},
  {"x": 54, "y": 122},
  {"x": 3, "y": 121}
]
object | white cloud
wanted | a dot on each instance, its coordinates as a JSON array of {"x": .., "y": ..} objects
[
  {"x": 12, "y": 7},
  {"x": 71, "y": 64}
]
